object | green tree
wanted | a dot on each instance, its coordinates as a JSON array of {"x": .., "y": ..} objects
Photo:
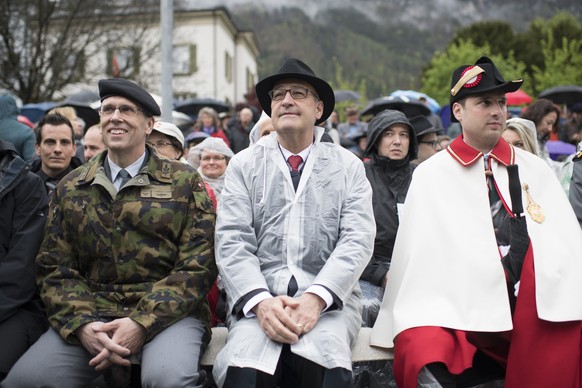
[
  {"x": 562, "y": 65},
  {"x": 530, "y": 49},
  {"x": 341, "y": 83},
  {"x": 384, "y": 57},
  {"x": 497, "y": 35},
  {"x": 547, "y": 54},
  {"x": 437, "y": 77}
]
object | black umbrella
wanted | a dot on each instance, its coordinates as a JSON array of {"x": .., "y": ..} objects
[
  {"x": 409, "y": 106},
  {"x": 181, "y": 118},
  {"x": 563, "y": 94},
  {"x": 346, "y": 95},
  {"x": 192, "y": 106},
  {"x": 84, "y": 96},
  {"x": 89, "y": 115}
]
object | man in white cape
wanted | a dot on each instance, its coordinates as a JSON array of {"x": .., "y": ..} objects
[{"x": 456, "y": 314}]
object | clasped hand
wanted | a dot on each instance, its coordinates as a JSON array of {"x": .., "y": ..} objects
[
  {"x": 284, "y": 318},
  {"x": 112, "y": 342}
]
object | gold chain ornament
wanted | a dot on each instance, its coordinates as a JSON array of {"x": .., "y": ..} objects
[{"x": 534, "y": 210}]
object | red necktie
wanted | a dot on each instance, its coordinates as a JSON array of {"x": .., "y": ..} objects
[{"x": 294, "y": 161}]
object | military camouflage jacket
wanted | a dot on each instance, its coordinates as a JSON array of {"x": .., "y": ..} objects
[{"x": 146, "y": 252}]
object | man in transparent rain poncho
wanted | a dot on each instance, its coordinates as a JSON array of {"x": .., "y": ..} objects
[{"x": 295, "y": 231}]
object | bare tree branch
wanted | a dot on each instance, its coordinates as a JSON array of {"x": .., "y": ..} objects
[{"x": 46, "y": 45}]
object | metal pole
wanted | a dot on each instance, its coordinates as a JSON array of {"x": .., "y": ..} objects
[{"x": 166, "y": 27}]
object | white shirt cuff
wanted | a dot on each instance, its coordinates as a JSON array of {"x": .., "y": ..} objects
[
  {"x": 314, "y": 289},
  {"x": 323, "y": 293},
  {"x": 255, "y": 300}
]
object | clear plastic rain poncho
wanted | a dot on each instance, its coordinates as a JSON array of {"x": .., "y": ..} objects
[
  {"x": 255, "y": 133},
  {"x": 211, "y": 144}
]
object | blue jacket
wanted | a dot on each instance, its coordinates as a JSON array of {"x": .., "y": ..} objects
[{"x": 11, "y": 130}]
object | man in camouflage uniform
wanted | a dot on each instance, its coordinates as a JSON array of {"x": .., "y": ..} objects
[{"x": 126, "y": 263}]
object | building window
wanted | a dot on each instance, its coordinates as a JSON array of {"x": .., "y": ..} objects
[
  {"x": 184, "y": 59},
  {"x": 123, "y": 62},
  {"x": 228, "y": 67},
  {"x": 250, "y": 79}
]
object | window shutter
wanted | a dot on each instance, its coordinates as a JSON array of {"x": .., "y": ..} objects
[{"x": 193, "y": 59}]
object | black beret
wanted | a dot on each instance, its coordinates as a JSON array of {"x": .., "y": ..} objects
[{"x": 124, "y": 88}]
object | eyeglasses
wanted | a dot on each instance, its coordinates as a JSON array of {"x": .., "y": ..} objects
[
  {"x": 433, "y": 144},
  {"x": 296, "y": 93},
  {"x": 125, "y": 111},
  {"x": 216, "y": 158},
  {"x": 160, "y": 144}
]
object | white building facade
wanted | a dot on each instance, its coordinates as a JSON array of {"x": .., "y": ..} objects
[{"x": 212, "y": 58}]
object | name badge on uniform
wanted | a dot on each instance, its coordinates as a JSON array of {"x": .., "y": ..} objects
[{"x": 161, "y": 192}]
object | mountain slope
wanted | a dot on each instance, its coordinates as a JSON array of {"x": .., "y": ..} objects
[{"x": 384, "y": 44}]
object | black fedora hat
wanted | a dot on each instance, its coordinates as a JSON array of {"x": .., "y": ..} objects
[
  {"x": 422, "y": 125},
  {"x": 483, "y": 77},
  {"x": 294, "y": 68}
]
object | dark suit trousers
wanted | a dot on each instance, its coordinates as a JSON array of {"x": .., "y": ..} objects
[{"x": 292, "y": 371}]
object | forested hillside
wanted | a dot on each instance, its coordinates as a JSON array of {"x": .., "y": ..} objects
[
  {"x": 378, "y": 46},
  {"x": 382, "y": 57}
]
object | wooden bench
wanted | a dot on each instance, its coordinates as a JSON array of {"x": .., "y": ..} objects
[{"x": 361, "y": 351}]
